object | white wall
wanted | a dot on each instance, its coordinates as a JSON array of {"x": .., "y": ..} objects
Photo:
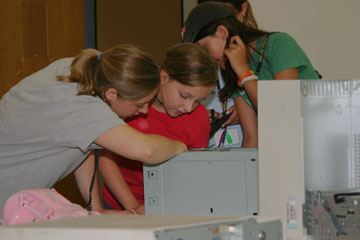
[
  {"x": 327, "y": 30},
  {"x": 187, "y": 6}
]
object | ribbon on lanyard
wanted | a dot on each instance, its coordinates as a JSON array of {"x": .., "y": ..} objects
[
  {"x": 225, "y": 134},
  {"x": 89, "y": 204},
  {"x": 258, "y": 67}
]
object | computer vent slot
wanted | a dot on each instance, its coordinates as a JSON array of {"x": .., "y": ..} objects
[
  {"x": 329, "y": 88},
  {"x": 356, "y": 161}
]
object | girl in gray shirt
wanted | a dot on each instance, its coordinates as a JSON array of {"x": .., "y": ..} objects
[{"x": 51, "y": 120}]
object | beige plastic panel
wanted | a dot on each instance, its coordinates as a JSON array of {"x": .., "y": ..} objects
[{"x": 281, "y": 185}]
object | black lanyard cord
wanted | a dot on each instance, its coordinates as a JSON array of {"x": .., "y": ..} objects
[{"x": 89, "y": 207}]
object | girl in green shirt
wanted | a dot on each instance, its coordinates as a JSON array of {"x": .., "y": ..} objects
[{"x": 245, "y": 55}]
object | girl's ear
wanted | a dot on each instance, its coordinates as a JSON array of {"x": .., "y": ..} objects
[
  {"x": 164, "y": 76},
  {"x": 222, "y": 32},
  {"x": 111, "y": 95}
]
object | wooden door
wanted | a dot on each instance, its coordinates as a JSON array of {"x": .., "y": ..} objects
[
  {"x": 35, "y": 33},
  {"x": 152, "y": 25}
]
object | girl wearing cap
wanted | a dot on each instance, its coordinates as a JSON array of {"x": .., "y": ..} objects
[
  {"x": 215, "y": 107},
  {"x": 188, "y": 75},
  {"x": 51, "y": 120},
  {"x": 244, "y": 11},
  {"x": 245, "y": 55}
]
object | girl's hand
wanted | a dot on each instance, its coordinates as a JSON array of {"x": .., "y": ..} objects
[
  {"x": 216, "y": 114},
  {"x": 233, "y": 119},
  {"x": 140, "y": 209},
  {"x": 128, "y": 212},
  {"x": 236, "y": 53},
  {"x": 114, "y": 211}
]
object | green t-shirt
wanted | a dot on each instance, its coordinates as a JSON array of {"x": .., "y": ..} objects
[{"x": 281, "y": 52}]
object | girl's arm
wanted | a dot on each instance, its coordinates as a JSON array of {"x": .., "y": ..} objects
[
  {"x": 287, "y": 74},
  {"x": 248, "y": 121},
  {"x": 131, "y": 143},
  {"x": 248, "y": 117},
  {"x": 236, "y": 54},
  {"x": 83, "y": 175},
  {"x": 116, "y": 183},
  {"x": 251, "y": 87}
]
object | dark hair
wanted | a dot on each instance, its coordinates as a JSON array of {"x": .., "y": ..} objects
[
  {"x": 235, "y": 28},
  {"x": 127, "y": 68},
  {"x": 190, "y": 64}
]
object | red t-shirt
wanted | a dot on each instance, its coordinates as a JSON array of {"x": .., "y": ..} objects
[{"x": 192, "y": 129}]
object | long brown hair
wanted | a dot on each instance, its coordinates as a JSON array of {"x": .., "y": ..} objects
[
  {"x": 247, "y": 35},
  {"x": 190, "y": 64},
  {"x": 127, "y": 68}
]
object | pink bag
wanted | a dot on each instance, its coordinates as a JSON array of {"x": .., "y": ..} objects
[{"x": 36, "y": 205}]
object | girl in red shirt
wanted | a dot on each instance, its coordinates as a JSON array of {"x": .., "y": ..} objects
[{"x": 188, "y": 75}]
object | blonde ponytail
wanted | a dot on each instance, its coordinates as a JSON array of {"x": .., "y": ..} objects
[{"x": 128, "y": 69}]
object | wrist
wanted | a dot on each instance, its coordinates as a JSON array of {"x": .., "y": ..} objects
[
  {"x": 98, "y": 208},
  {"x": 245, "y": 77},
  {"x": 137, "y": 209},
  {"x": 241, "y": 70},
  {"x": 249, "y": 78},
  {"x": 183, "y": 147},
  {"x": 132, "y": 211}
]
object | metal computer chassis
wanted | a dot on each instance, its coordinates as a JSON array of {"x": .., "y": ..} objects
[{"x": 332, "y": 215}]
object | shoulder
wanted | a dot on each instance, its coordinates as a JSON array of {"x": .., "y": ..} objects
[
  {"x": 63, "y": 61},
  {"x": 49, "y": 73},
  {"x": 62, "y": 66},
  {"x": 280, "y": 36},
  {"x": 280, "y": 45},
  {"x": 281, "y": 39},
  {"x": 59, "y": 64}
]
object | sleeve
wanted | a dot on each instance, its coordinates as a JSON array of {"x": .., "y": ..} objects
[
  {"x": 83, "y": 122},
  {"x": 199, "y": 133},
  {"x": 285, "y": 53}
]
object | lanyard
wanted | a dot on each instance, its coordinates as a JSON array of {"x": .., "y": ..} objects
[
  {"x": 223, "y": 103},
  {"x": 224, "y": 134},
  {"x": 258, "y": 67},
  {"x": 89, "y": 206}
]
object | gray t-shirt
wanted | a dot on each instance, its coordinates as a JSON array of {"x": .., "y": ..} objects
[{"x": 46, "y": 130}]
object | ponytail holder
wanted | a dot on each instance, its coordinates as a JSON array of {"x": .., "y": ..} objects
[{"x": 99, "y": 56}]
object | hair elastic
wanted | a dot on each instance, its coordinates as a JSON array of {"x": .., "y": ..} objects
[{"x": 99, "y": 56}]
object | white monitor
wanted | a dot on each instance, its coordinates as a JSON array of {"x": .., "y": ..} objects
[{"x": 308, "y": 140}]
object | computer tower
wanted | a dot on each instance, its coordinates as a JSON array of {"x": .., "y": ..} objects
[{"x": 204, "y": 182}]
